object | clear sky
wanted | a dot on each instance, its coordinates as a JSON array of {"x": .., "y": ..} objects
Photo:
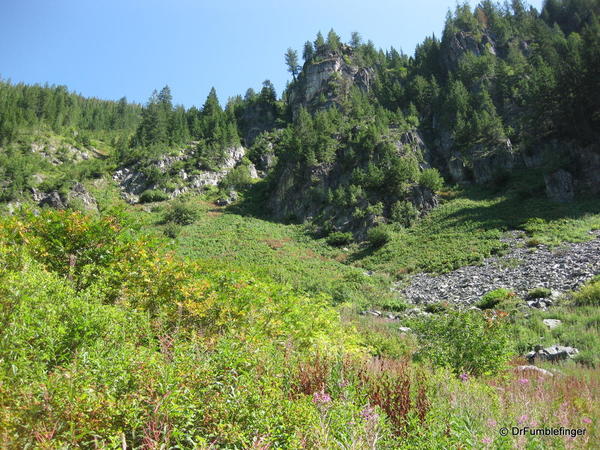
[{"x": 115, "y": 48}]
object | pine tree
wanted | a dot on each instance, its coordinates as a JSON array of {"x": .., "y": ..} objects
[
  {"x": 319, "y": 42},
  {"x": 308, "y": 52},
  {"x": 333, "y": 40},
  {"x": 355, "y": 39},
  {"x": 291, "y": 59}
]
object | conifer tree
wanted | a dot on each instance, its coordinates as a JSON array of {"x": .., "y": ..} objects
[{"x": 291, "y": 59}]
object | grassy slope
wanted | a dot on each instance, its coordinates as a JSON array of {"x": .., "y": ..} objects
[
  {"x": 467, "y": 228},
  {"x": 284, "y": 253}
]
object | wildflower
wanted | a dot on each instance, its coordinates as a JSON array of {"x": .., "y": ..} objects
[
  {"x": 464, "y": 376},
  {"x": 524, "y": 380},
  {"x": 368, "y": 414},
  {"x": 321, "y": 398},
  {"x": 523, "y": 419},
  {"x": 587, "y": 420},
  {"x": 487, "y": 440},
  {"x": 491, "y": 423}
]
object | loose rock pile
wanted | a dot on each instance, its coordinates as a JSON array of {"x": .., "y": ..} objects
[{"x": 559, "y": 269}]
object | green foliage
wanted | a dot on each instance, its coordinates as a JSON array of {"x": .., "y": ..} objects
[
  {"x": 589, "y": 295},
  {"x": 404, "y": 213},
  {"x": 493, "y": 298},
  {"x": 379, "y": 236},
  {"x": 237, "y": 178},
  {"x": 539, "y": 292},
  {"x": 467, "y": 227},
  {"x": 431, "y": 179},
  {"x": 181, "y": 212},
  {"x": 466, "y": 342},
  {"x": 153, "y": 195},
  {"x": 339, "y": 238}
]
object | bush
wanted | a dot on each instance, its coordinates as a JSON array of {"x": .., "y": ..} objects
[
  {"x": 172, "y": 230},
  {"x": 431, "y": 179},
  {"x": 539, "y": 293},
  {"x": 338, "y": 238},
  {"x": 379, "y": 236},
  {"x": 437, "y": 308},
  {"x": 588, "y": 295},
  {"x": 404, "y": 213},
  {"x": 493, "y": 298},
  {"x": 181, "y": 213},
  {"x": 466, "y": 342},
  {"x": 152, "y": 195},
  {"x": 237, "y": 178}
]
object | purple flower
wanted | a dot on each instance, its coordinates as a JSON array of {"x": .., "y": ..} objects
[
  {"x": 587, "y": 420},
  {"x": 368, "y": 414},
  {"x": 487, "y": 440},
  {"x": 523, "y": 380},
  {"x": 321, "y": 398},
  {"x": 491, "y": 423},
  {"x": 464, "y": 376},
  {"x": 523, "y": 419}
]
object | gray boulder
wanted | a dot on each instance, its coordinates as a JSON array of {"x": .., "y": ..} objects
[{"x": 553, "y": 353}]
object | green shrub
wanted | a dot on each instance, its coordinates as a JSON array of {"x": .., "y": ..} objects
[
  {"x": 379, "y": 236},
  {"x": 181, "y": 213},
  {"x": 404, "y": 213},
  {"x": 153, "y": 195},
  {"x": 493, "y": 298},
  {"x": 431, "y": 179},
  {"x": 237, "y": 178},
  {"x": 470, "y": 342},
  {"x": 338, "y": 238},
  {"x": 588, "y": 295},
  {"x": 437, "y": 308},
  {"x": 172, "y": 230},
  {"x": 539, "y": 292}
]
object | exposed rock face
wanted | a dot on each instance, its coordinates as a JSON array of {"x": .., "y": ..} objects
[
  {"x": 423, "y": 198},
  {"x": 81, "y": 197},
  {"x": 331, "y": 76},
  {"x": 255, "y": 120},
  {"x": 58, "y": 152},
  {"x": 78, "y": 196},
  {"x": 559, "y": 186},
  {"x": 300, "y": 194},
  {"x": 464, "y": 42},
  {"x": 133, "y": 182},
  {"x": 51, "y": 199}
]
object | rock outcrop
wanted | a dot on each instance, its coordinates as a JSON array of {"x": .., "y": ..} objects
[
  {"x": 464, "y": 42},
  {"x": 325, "y": 80},
  {"x": 78, "y": 197},
  {"x": 133, "y": 181}
]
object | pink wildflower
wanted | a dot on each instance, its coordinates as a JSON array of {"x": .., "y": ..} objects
[
  {"x": 587, "y": 420},
  {"x": 523, "y": 419},
  {"x": 321, "y": 398},
  {"x": 464, "y": 376},
  {"x": 523, "y": 380},
  {"x": 487, "y": 440},
  {"x": 368, "y": 414},
  {"x": 491, "y": 423}
]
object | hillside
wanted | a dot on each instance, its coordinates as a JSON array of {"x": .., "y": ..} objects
[{"x": 399, "y": 252}]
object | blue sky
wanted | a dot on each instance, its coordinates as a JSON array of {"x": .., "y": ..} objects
[{"x": 115, "y": 48}]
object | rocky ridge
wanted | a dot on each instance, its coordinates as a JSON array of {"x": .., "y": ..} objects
[
  {"x": 521, "y": 269},
  {"x": 134, "y": 182}
]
